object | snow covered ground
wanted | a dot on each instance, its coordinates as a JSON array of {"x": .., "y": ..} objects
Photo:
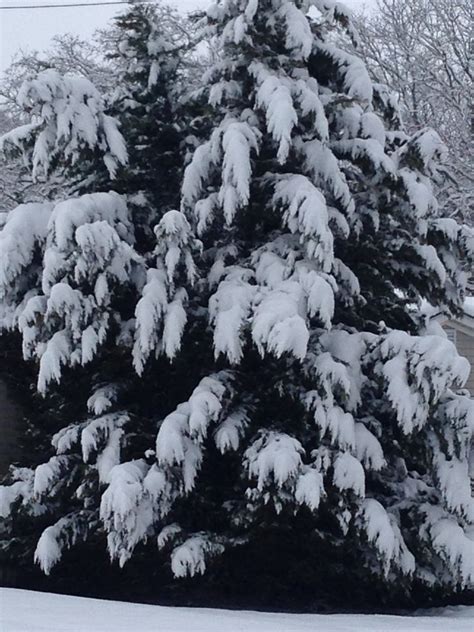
[{"x": 24, "y": 611}]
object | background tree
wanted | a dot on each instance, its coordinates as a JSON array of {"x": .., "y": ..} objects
[
  {"x": 68, "y": 54},
  {"x": 422, "y": 49}
]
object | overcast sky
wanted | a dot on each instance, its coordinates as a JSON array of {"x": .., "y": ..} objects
[{"x": 32, "y": 29}]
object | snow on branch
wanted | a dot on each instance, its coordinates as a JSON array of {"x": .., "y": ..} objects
[
  {"x": 306, "y": 214},
  {"x": 451, "y": 542},
  {"x": 160, "y": 314},
  {"x": 273, "y": 457},
  {"x": 103, "y": 398},
  {"x": 229, "y": 312},
  {"x": 274, "y": 97},
  {"x": 51, "y": 475},
  {"x": 130, "y": 506},
  {"x": 299, "y": 37},
  {"x": 22, "y": 239},
  {"x": 189, "y": 559},
  {"x": 357, "y": 82},
  {"x": 25, "y": 231},
  {"x": 455, "y": 484},
  {"x": 20, "y": 491},
  {"x": 87, "y": 254},
  {"x": 417, "y": 371},
  {"x": 238, "y": 141},
  {"x": 63, "y": 535},
  {"x": 323, "y": 166},
  {"x": 425, "y": 150},
  {"x": 70, "y": 119},
  {"x": 383, "y": 533},
  {"x": 149, "y": 315},
  {"x": 278, "y": 324},
  {"x": 366, "y": 150},
  {"x": 182, "y": 432},
  {"x": 229, "y": 432},
  {"x": 102, "y": 437},
  {"x": 230, "y": 146}
]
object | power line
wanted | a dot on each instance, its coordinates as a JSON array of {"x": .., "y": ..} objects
[{"x": 78, "y": 4}]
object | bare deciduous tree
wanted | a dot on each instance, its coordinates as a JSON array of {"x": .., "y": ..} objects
[{"x": 423, "y": 50}]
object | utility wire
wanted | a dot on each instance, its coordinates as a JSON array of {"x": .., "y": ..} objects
[{"x": 78, "y": 4}]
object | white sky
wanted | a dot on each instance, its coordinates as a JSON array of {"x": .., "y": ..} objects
[{"x": 32, "y": 29}]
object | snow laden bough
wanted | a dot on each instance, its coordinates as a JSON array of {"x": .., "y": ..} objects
[
  {"x": 69, "y": 118},
  {"x": 66, "y": 310},
  {"x": 307, "y": 217}
]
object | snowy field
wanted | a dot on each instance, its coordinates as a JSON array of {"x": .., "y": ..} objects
[{"x": 24, "y": 611}]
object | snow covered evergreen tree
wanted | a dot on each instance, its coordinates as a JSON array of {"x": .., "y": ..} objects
[
  {"x": 273, "y": 331},
  {"x": 82, "y": 260}
]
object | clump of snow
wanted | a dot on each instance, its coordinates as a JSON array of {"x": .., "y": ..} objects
[
  {"x": 356, "y": 76},
  {"x": 229, "y": 433},
  {"x": 62, "y": 535},
  {"x": 368, "y": 448},
  {"x": 309, "y": 488},
  {"x": 305, "y": 213},
  {"x": 426, "y": 148},
  {"x": 189, "y": 558},
  {"x": 48, "y": 475},
  {"x": 229, "y": 312},
  {"x": 278, "y": 323},
  {"x": 326, "y": 173},
  {"x": 160, "y": 314},
  {"x": 452, "y": 543},
  {"x": 126, "y": 508},
  {"x": 71, "y": 117},
  {"x": 24, "y": 231},
  {"x": 103, "y": 437},
  {"x": 454, "y": 481},
  {"x": 273, "y": 457},
  {"x": 274, "y": 97},
  {"x": 383, "y": 532},
  {"x": 417, "y": 371},
  {"x": 231, "y": 144},
  {"x": 469, "y": 306},
  {"x": 102, "y": 399},
  {"x": 21, "y": 490},
  {"x": 349, "y": 474}
]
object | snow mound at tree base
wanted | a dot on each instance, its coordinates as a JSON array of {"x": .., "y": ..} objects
[{"x": 25, "y": 611}]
